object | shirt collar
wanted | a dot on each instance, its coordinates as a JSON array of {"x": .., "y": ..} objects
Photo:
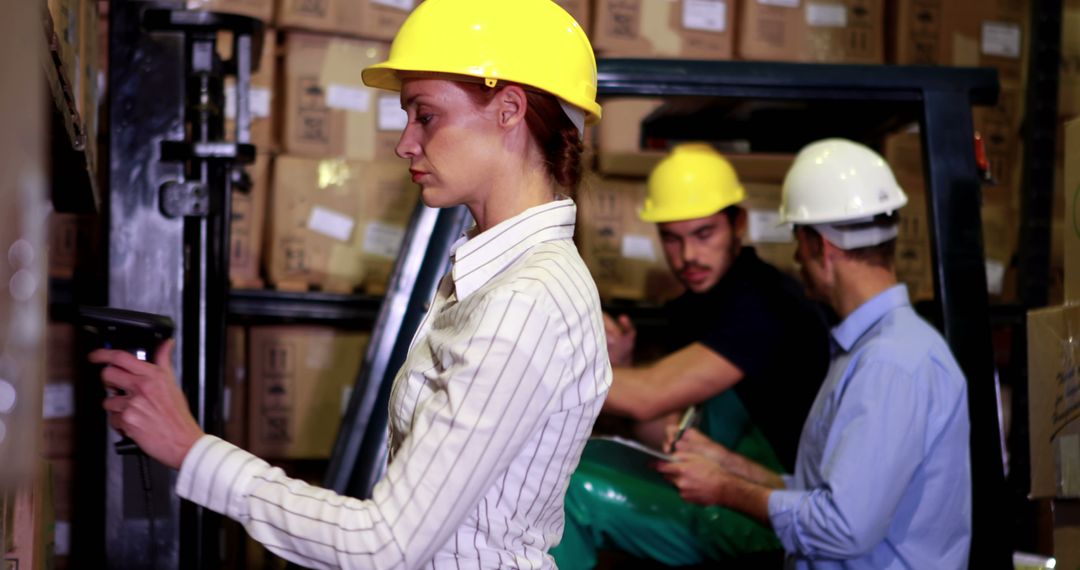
[
  {"x": 480, "y": 257},
  {"x": 848, "y": 332}
]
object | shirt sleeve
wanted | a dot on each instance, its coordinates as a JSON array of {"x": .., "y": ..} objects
[
  {"x": 501, "y": 382},
  {"x": 874, "y": 447}
]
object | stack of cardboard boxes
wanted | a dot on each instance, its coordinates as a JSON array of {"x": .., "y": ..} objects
[
  {"x": 76, "y": 24},
  {"x": 325, "y": 207},
  {"x": 1054, "y": 381},
  {"x": 838, "y": 31}
]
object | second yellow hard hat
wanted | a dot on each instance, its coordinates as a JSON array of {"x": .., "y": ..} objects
[{"x": 694, "y": 181}]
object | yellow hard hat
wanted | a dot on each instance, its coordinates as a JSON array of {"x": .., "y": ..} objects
[
  {"x": 694, "y": 181},
  {"x": 531, "y": 42}
]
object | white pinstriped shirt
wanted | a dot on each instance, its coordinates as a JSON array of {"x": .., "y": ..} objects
[{"x": 488, "y": 417}]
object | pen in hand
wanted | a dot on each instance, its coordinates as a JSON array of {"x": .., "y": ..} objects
[{"x": 688, "y": 418}]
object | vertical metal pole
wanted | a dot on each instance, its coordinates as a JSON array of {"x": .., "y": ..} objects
[
  {"x": 144, "y": 274},
  {"x": 960, "y": 279},
  {"x": 1033, "y": 248}
]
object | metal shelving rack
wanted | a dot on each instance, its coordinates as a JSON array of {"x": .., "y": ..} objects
[{"x": 74, "y": 164}]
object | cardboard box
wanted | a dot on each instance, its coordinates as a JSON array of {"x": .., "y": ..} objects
[
  {"x": 236, "y": 386},
  {"x": 261, "y": 101},
  {"x": 968, "y": 34},
  {"x": 261, "y": 9},
  {"x": 58, "y": 397},
  {"x": 1072, "y": 216},
  {"x": 774, "y": 243},
  {"x": 337, "y": 224},
  {"x": 619, "y": 139},
  {"x": 581, "y": 10},
  {"x": 329, "y": 113},
  {"x": 622, "y": 252},
  {"x": 73, "y": 243},
  {"x": 301, "y": 380},
  {"x": 992, "y": 33},
  {"x": 917, "y": 32},
  {"x": 1054, "y": 400},
  {"x": 771, "y": 30},
  {"x": 688, "y": 29},
  {"x": 246, "y": 234},
  {"x": 1069, "y": 80},
  {"x": 844, "y": 31},
  {"x": 371, "y": 19},
  {"x": 1066, "y": 533}
]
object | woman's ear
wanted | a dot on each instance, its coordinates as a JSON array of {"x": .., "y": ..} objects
[{"x": 510, "y": 105}]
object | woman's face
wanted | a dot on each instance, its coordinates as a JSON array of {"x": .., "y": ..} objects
[{"x": 450, "y": 142}]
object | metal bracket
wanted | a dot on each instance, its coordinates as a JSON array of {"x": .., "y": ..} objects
[
  {"x": 182, "y": 199},
  {"x": 181, "y": 151}
]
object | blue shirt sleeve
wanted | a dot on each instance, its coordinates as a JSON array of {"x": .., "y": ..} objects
[{"x": 874, "y": 446}]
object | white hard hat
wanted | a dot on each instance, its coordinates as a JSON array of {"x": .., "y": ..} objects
[{"x": 837, "y": 181}]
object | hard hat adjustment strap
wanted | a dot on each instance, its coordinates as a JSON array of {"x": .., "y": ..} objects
[
  {"x": 854, "y": 236},
  {"x": 490, "y": 82}
]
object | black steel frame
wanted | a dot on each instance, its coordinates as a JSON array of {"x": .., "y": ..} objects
[{"x": 169, "y": 203}]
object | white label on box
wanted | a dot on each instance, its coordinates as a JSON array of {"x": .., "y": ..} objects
[
  {"x": 783, "y": 3},
  {"x": 406, "y": 5},
  {"x": 258, "y": 102},
  {"x": 637, "y": 246},
  {"x": 62, "y": 538},
  {"x": 705, "y": 15},
  {"x": 1069, "y": 465},
  {"x": 348, "y": 98},
  {"x": 826, "y": 15},
  {"x": 391, "y": 116},
  {"x": 765, "y": 227},
  {"x": 383, "y": 240},
  {"x": 330, "y": 223},
  {"x": 58, "y": 401},
  {"x": 995, "y": 276},
  {"x": 1001, "y": 39}
]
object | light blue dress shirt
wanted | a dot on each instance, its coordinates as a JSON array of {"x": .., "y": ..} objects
[{"x": 882, "y": 479}]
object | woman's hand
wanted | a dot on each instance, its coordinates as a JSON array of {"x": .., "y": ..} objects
[
  {"x": 149, "y": 408},
  {"x": 621, "y": 335}
]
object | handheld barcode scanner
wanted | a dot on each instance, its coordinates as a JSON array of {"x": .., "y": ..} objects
[{"x": 131, "y": 331}]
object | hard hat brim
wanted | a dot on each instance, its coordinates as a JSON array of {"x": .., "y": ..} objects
[{"x": 387, "y": 75}]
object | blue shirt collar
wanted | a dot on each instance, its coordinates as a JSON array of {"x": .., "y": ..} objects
[{"x": 848, "y": 332}]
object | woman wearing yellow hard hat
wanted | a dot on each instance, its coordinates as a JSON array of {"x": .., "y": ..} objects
[{"x": 492, "y": 407}]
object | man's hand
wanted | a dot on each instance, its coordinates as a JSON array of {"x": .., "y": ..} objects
[
  {"x": 620, "y": 339},
  {"x": 699, "y": 479},
  {"x": 697, "y": 443},
  {"x": 151, "y": 409},
  {"x": 693, "y": 441},
  {"x": 703, "y": 481}
]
